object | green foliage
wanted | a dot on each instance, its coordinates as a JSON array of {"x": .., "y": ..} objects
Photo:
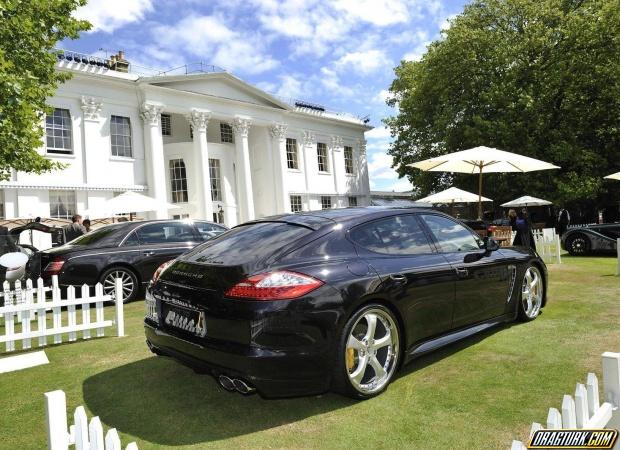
[
  {"x": 29, "y": 30},
  {"x": 535, "y": 77}
]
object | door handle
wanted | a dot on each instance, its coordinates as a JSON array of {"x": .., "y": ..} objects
[
  {"x": 462, "y": 272},
  {"x": 148, "y": 253},
  {"x": 398, "y": 278}
]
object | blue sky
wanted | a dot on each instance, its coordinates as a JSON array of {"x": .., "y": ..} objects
[{"x": 338, "y": 53}]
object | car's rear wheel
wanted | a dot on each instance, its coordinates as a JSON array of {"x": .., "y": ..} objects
[
  {"x": 369, "y": 352},
  {"x": 578, "y": 244},
  {"x": 532, "y": 290},
  {"x": 130, "y": 282}
]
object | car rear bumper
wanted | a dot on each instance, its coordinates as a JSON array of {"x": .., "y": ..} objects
[{"x": 282, "y": 373}]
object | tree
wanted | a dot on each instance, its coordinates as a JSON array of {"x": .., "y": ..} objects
[
  {"x": 535, "y": 77},
  {"x": 29, "y": 30}
]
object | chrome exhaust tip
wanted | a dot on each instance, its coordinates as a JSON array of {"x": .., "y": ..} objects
[
  {"x": 227, "y": 383},
  {"x": 242, "y": 387}
]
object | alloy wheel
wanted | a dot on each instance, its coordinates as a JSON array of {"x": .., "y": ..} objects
[
  {"x": 578, "y": 245},
  {"x": 109, "y": 284},
  {"x": 532, "y": 292},
  {"x": 371, "y": 352}
]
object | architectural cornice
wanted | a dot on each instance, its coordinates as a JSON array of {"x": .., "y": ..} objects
[
  {"x": 199, "y": 119},
  {"x": 241, "y": 126},
  {"x": 91, "y": 107},
  {"x": 71, "y": 187},
  {"x": 151, "y": 113},
  {"x": 308, "y": 138},
  {"x": 278, "y": 131}
]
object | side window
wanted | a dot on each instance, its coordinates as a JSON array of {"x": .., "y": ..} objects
[
  {"x": 396, "y": 235},
  {"x": 166, "y": 232},
  {"x": 452, "y": 236},
  {"x": 208, "y": 230},
  {"x": 131, "y": 240}
]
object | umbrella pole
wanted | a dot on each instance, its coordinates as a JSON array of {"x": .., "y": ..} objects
[{"x": 480, "y": 194}]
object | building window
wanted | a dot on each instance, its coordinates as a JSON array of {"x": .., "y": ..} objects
[
  {"x": 120, "y": 135},
  {"x": 352, "y": 201},
  {"x": 180, "y": 216},
  {"x": 226, "y": 132},
  {"x": 321, "y": 154},
  {"x": 295, "y": 203},
  {"x": 216, "y": 181},
  {"x": 178, "y": 181},
  {"x": 166, "y": 126},
  {"x": 58, "y": 131},
  {"x": 348, "y": 160},
  {"x": 62, "y": 204},
  {"x": 326, "y": 202},
  {"x": 291, "y": 153}
]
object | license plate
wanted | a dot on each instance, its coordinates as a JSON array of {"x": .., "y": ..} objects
[{"x": 188, "y": 320}]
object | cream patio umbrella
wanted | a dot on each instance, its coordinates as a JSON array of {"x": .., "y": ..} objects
[
  {"x": 526, "y": 201},
  {"x": 614, "y": 176},
  {"x": 451, "y": 196},
  {"x": 482, "y": 160},
  {"x": 127, "y": 203}
]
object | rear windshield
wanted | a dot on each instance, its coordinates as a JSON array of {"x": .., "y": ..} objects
[{"x": 247, "y": 243}]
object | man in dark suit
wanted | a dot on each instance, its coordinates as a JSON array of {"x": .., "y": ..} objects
[
  {"x": 563, "y": 221},
  {"x": 75, "y": 230}
]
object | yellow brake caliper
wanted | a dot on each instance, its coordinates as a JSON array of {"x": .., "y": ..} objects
[{"x": 350, "y": 358}]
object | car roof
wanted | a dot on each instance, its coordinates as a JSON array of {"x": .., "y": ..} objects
[{"x": 320, "y": 218}]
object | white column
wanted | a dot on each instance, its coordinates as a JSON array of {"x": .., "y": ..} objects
[
  {"x": 200, "y": 120},
  {"x": 241, "y": 127},
  {"x": 94, "y": 158},
  {"x": 280, "y": 166},
  {"x": 308, "y": 143},
  {"x": 151, "y": 115},
  {"x": 10, "y": 203},
  {"x": 362, "y": 171},
  {"x": 337, "y": 164}
]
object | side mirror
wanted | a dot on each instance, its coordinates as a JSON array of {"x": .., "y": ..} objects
[{"x": 490, "y": 245}]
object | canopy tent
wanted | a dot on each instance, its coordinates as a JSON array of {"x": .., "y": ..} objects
[
  {"x": 614, "y": 176},
  {"x": 526, "y": 201},
  {"x": 126, "y": 203},
  {"x": 482, "y": 160}
]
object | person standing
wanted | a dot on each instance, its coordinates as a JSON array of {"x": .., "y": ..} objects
[
  {"x": 75, "y": 230},
  {"x": 86, "y": 224},
  {"x": 563, "y": 221},
  {"x": 524, "y": 236}
]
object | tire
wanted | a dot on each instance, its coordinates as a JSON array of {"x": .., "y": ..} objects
[
  {"x": 362, "y": 353},
  {"x": 131, "y": 286},
  {"x": 531, "y": 294},
  {"x": 578, "y": 244}
]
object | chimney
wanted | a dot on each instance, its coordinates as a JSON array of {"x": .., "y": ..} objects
[{"x": 119, "y": 63}]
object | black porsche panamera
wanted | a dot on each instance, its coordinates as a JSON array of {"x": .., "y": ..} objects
[{"x": 334, "y": 300}]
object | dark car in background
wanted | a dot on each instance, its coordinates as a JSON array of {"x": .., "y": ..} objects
[
  {"x": 127, "y": 250},
  {"x": 588, "y": 239},
  {"x": 338, "y": 299}
]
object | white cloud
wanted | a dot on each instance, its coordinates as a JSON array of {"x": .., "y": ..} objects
[
  {"x": 382, "y": 96},
  {"x": 108, "y": 15},
  {"x": 208, "y": 37},
  {"x": 376, "y": 12},
  {"x": 382, "y": 133},
  {"x": 417, "y": 53},
  {"x": 365, "y": 61},
  {"x": 290, "y": 87}
]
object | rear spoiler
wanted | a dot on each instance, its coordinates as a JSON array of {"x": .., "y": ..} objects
[{"x": 305, "y": 220}]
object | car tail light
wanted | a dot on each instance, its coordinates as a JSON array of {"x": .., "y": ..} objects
[
  {"x": 161, "y": 270},
  {"x": 54, "y": 267},
  {"x": 280, "y": 285}
]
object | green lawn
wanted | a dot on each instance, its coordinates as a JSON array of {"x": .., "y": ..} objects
[{"x": 480, "y": 393}]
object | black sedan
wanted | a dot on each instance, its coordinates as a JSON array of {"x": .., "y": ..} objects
[
  {"x": 338, "y": 299},
  {"x": 602, "y": 238},
  {"x": 131, "y": 251}
]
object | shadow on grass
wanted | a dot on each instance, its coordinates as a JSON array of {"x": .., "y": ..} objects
[{"x": 161, "y": 401}]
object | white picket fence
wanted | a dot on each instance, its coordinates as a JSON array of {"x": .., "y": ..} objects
[
  {"x": 585, "y": 411},
  {"x": 83, "y": 434},
  {"x": 548, "y": 245},
  {"x": 24, "y": 308}
]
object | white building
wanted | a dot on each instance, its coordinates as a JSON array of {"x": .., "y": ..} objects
[{"x": 207, "y": 141}]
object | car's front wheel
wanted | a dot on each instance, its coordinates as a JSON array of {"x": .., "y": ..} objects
[
  {"x": 532, "y": 290},
  {"x": 129, "y": 279},
  {"x": 369, "y": 352}
]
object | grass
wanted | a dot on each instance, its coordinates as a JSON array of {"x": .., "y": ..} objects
[{"x": 479, "y": 393}]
